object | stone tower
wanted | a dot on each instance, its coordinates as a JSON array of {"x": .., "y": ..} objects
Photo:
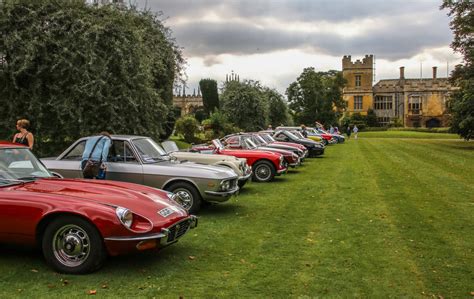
[{"x": 358, "y": 91}]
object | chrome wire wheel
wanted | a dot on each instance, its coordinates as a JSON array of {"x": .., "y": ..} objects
[
  {"x": 263, "y": 172},
  {"x": 71, "y": 245},
  {"x": 185, "y": 198}
]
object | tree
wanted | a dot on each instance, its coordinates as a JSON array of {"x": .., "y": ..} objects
[
  {"x": 316, "y": 96},
  {"x": 462, "y": 101},
  {"x": 277, "y": 108},
  {"x": 210, "y": 97},
  {"x": 245, "y": 105},
  {"x": 75, "y": 69},
  {"x": 371, "y": 118},
  {"x": 188, "y": 126}
]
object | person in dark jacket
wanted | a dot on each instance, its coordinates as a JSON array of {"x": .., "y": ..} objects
[{"x": 348, "y": 132}]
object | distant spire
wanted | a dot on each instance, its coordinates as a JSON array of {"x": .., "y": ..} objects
[
  {"x": 199, "y": 91},
  {"x": 194, "y": 92}
]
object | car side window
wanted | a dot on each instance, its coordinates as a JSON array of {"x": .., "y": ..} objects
[
  {"x": 233, "y": 141},
  {"x": 76, "y": 153},
  {"x": 120, "y": 152}
]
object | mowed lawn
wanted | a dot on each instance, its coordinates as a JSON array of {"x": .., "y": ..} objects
[{"x": 375, "y": 217}]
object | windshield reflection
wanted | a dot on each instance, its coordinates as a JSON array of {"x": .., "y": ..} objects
[
  {"x": 150, "y": 151},
  {"x": 18, "y": 165}
]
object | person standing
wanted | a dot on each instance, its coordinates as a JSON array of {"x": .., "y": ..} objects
[
  {"x": 95, "y": 155},
  {"x": 331, "y": 130},
  {"x": 24, "y": 136},
  {"x": 355, "y": 130},
  {"x": 348, "y": 132},
  {"x": 303, "y": 131}
]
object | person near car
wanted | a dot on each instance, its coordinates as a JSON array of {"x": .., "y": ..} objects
[
  {"x": 348, "y": 132},
  {"x": 97, "y": 150},
  {"x": 355, "y": 130},
  {"x": 270, "y": 127},
  {"x": 303, "y": 131},
  {"x": 331, "y": 130},
  {"x": 24, "y": 136}
]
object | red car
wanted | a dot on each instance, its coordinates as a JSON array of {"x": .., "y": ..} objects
[
  {"x": 76, "y": 222},
  {"x": 265, "y": 165},
  {"x": 246, "y": 141}
]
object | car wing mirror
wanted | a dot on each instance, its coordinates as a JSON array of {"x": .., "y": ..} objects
[{"x": 57, "y": 175}]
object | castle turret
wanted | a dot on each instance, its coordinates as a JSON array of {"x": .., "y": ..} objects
[{"x": 358, "y": 90}]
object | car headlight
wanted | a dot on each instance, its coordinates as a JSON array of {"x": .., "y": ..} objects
[
  {"x": 125, "y": 216},
  {"x": 225, "y": 185}
]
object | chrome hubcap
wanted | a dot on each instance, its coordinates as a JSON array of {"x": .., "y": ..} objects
[
  {"x": 185, "y": 198},
  {"x": 71, "y": 245},
  {"x": 263, "y": 172}
]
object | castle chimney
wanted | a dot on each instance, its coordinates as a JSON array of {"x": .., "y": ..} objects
[
  {"x": 402, "y": 72},
  {"x": 435, "y": 69}
]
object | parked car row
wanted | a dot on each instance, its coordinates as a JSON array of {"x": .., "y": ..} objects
[{"x": 147, "y": 201}]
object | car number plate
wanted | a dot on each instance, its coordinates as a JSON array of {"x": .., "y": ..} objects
[{"x": 166, "y": 212}]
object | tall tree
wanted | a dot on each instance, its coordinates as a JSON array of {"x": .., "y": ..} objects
[
  {"x": 245, "y": 105},
  {"x": 210, "y": 97},
  {"x": 277, "y": 107},
  {"x": 316, "y": 96},
  {"x": 462, "y": 101},
  {"x": 75, "y": 69}
]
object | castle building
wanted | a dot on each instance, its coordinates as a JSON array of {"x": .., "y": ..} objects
[
  {"x": 188, "y": 103},
  {"x": 414, "y": 102}
]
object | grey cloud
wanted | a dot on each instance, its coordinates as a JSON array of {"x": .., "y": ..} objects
[{"x": 401, "y": 40}]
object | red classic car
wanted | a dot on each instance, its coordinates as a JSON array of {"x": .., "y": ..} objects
[
  {"x": 246, "y": 141},
  {"x": 265, "y": 165},
  {"x": 76, "y": 222}
]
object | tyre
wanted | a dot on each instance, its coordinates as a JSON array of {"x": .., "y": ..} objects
[
  {"x": 190, "y": 197},
  {"x": 73, "y": 245},
  {"x": 263, "y": 171},
  {"x": 325, "y": 142}
]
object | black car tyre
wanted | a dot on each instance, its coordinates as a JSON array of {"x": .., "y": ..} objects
[
  {"x": 325, "y": 142},
  {"x": 73, "y": 245},
  {"x": 191, "y": 199},
  {"x": 263, "y": 171}
]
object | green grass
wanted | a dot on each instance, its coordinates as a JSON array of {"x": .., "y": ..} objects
[
  {"x": 375, "y": 217},
  {"x": 406, "y": 134}
]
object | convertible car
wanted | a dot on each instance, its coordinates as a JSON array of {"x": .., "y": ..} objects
[
  {"x": 238, "y": 165},
  {"x": 265, "y": 165},
  {"x": 77, "y": 223},
  {"x": 140, "y": 160},
  {"x": 314, "y": 148}
]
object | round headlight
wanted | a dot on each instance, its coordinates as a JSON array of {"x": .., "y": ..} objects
[
  {"x": 125, "y": 216},
  {"x": 225, "y": 185}
]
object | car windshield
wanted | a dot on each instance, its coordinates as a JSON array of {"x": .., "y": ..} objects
[
  {"x": 298, "y": 134},
  {"x": 291, "y": 135},
  {"x": 268, "y": 138},
  {"x": 18, "y": 165},
  {"x": 218, "y": 144},
  {"x": 250, "y": 144},
  {"x": 149, "y": 150},
  {"x": 170, "y": 146},
  {"x": 260, "y": 139}
]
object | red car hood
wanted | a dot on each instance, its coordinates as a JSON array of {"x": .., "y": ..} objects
[{"x": 140, "y": 199}]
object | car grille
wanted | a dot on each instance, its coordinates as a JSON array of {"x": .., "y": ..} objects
[{"x": 178, "y": 230}]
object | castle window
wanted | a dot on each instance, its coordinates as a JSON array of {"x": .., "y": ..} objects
[
  {"x": 414, "y": 105},
  {"x": 357, "y": 102},
  {"x": 383, "y": 103},
  {"x": 357, "y": 80},
  {"x": 383, "y": 121}
]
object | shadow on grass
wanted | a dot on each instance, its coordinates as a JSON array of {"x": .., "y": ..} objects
[{"x": 223, "y": 209}]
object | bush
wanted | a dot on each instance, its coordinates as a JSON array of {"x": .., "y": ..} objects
[
  {"x": 374, "y": 129},
  {"x": 187, "y": 126},
  {"x": 427, "y": 130}
]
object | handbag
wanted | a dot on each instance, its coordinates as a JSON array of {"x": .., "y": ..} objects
[{"x": 92, "y": 168}]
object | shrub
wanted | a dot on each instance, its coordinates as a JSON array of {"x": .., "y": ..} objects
[{"x": 187, "y": 126}]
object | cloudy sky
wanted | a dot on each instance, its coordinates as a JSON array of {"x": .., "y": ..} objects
[{"x": 273, "y": 40}]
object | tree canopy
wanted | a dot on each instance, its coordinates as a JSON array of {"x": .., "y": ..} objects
[
  {"x": 462, "y": 101},
  {"x": 314, "y": 95},
  {"x": 74, "y": 69}
]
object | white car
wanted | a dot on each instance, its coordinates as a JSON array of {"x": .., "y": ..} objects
[{"x": 238, "y": 165}]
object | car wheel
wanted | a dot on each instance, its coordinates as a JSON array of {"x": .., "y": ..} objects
[
  {"x": 189, "y": 196},
  {"x": 72, "y": 245},
  {"x": 263, "y": 171},
  {"x": 325, "y": 142}
]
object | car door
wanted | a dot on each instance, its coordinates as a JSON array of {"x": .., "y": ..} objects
[
  {"x": 69, "y": 166},
  {"x": 122, "y": 163}
]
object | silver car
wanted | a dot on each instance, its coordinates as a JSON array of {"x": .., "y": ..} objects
[{"x": 140, "y": 160}]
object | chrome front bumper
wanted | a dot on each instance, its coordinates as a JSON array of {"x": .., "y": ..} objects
[
  {"x": 247, "y": 175},
  {"x": 162, "y": 236}
]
